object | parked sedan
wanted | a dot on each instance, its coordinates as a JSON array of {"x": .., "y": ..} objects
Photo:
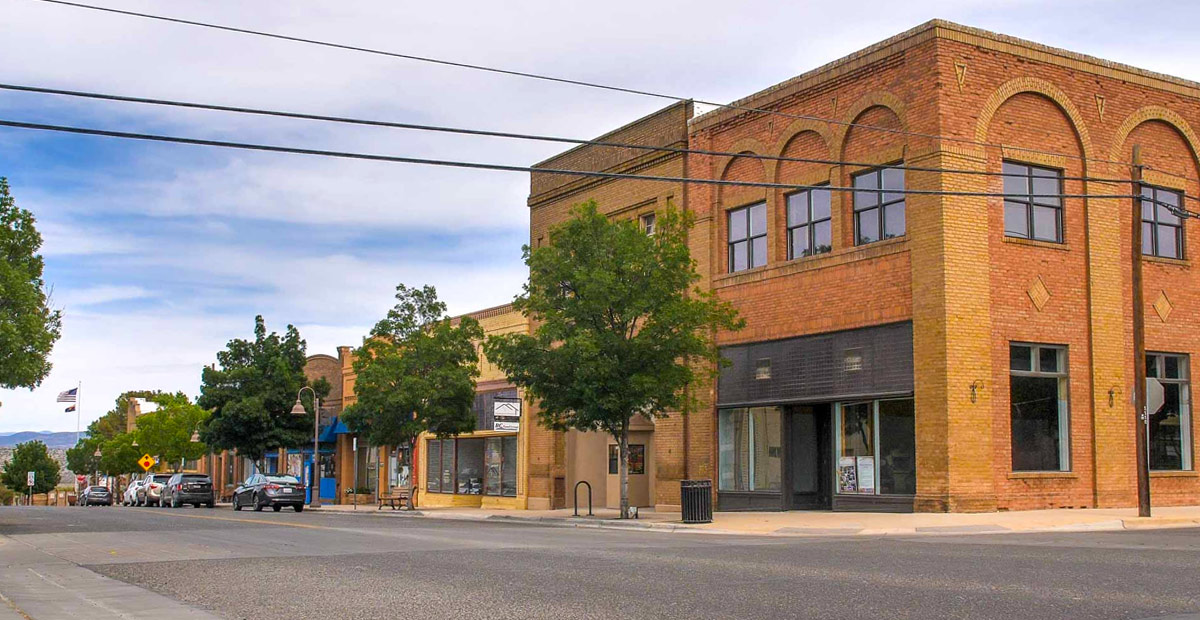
[
  {"x": 150, "y": 493},
  {"x": 260, "y": 491},
  {"x": 96, "y": 496},
  {"x": 130, "y": 496},
  {"x": 194, "y": 489}
]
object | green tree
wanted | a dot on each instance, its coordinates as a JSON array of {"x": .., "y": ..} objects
[
  {"x": 620, "y": 327},
  {"x": 118, "y": 456},
  {"x": 28, "y": 326},
  {"x": 82, "y": 459},
  {"x": 415, "y": 373},
  {"x": 252, "y": 392},
  {"x": 166, "y": 433},
  {"x": 31, "y": 456}
]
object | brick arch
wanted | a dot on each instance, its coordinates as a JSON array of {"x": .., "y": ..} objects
[
  {"x": 1038, "y": 86},
  {"x": 797, "y": 129},
  {"x": 874, "y": 99},
  {"x": 1154, "y": 113},
  {"x": 742, "y": 193}
]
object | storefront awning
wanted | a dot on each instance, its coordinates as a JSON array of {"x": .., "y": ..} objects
[{"x": 335, "y": 428}]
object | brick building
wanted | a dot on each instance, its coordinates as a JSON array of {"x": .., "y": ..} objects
[{"x": 908, "y": 351}]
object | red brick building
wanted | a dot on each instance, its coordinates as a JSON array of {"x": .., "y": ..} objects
[{"x": 921, "y": 351}]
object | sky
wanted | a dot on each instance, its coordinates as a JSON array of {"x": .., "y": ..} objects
[{"x": 159, "y": 254}]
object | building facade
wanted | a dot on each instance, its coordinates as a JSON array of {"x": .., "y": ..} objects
[{"x": 966, "y": 349}]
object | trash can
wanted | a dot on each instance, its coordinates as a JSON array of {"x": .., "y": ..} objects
[{"x": 695, "y": 500}]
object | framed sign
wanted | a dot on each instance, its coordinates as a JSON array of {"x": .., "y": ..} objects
[{"x": 506, "y": 415}]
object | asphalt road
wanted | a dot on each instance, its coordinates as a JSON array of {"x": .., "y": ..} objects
[{"x": 324, "y": 565}]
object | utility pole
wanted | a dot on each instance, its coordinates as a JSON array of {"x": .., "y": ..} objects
[{"x": 1139, "y": 342}]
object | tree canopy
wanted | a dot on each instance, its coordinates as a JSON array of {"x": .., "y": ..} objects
[
  {"x": 28, "y": 326},
  {"x": 31, "y": 456},
  {"x": 81, "y": 458},
  {"x": 415, "y": 372},
  {"x": 167, "y": 432},
  {"x": 620, "y": 328},
  {"x": 251, "y": 392}
]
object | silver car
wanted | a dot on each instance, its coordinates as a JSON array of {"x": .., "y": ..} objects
[{"x": 150, "y": 492}]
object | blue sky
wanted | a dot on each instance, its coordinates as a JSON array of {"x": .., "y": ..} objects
[{"x": 159, "y": 254}]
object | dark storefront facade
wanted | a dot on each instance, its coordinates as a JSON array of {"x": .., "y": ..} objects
[{"x": 818, "y": 422}]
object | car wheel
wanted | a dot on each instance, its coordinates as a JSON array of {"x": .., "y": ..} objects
[
  {"x": 210, "y": 505},
  {"x": 298, "y": 508},
  {"x": 174, "y": 502},
  {"x": 276, "y": 508},
  {"x": 257, "y": 505},
  {"x": 236, "y": 505},
  {"x": 195, "y": 505}
]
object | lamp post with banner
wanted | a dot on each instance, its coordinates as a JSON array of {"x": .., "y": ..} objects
[{"x": 314, "y": 489}]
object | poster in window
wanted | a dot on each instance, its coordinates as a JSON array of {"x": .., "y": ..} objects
[
  {"x": 847, "y": 475},
  {"x": 866, "y": 474},
  {"x": 506, "y": 415},
  {"x": 637, "y": 459}
]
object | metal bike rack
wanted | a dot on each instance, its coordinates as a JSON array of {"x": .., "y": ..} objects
[{"x": 576, "y": 497}]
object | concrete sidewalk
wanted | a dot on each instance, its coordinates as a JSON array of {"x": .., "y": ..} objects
[{"x": 825, "y": 523}]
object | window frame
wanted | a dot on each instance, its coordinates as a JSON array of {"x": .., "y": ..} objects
[
  {"x": 1156, "y": 224},
  {"x": 648, "y": 223},
  {"x": 880, "y": 206},
  {"x": 1187, "y": 461},
  {"x": 809, "y": 222},
  {"x": 875, "y": 407},
  {"x": 1063, "y": 401},
  {"x": 745, "y": 211},
  {"x": 1029, "y": 201}
]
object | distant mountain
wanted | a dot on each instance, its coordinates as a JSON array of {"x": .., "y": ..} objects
[{"x": 52, "y": 440}]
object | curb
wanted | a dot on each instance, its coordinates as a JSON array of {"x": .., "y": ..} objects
[{"x": 799, "y": 532}]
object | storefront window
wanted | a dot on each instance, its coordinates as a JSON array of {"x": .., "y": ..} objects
[
  {"x": 877, "y": 448},
  {"x": 433, "y": 470},
  {"x": 1171, "y": 425},
  {"x": 508, "y": 475},
  {"x": 637, "y": 459},
  {"x": 897, "y": 448},
  {"x": 447, "y": 466},
  {"x": 493, "y": 459},
  {"x": 470, "y": 467},
  {"x": 751, "y": 449},
  {"x": 1038, "y": 397}
]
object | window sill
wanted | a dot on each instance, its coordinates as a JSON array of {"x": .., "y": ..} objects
[
  {"x": 812, "y": 263},
  {"x": 1174, "y": 474},
  {"x": 1037, "y": 243},
  {"x": 1043, "y": 475},
  {"x": 1179, "y": 262}
]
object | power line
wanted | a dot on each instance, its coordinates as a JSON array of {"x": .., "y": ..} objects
[
  {"x": 504, "y": 167},
  {"x": 504, "y": 134},
  {"x": 560, "y": 80}
]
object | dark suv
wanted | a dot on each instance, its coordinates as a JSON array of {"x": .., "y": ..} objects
[
  {"x": 194, "y": 489},
  {"x": 96, "y": 496}
]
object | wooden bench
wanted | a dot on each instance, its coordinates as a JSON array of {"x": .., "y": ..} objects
[{"x": 397, "y": 499}]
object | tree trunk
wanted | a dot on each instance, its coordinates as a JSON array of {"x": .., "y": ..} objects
[
  {"x": 412, "y": 472},
  {"x": 623, "y": 457}
]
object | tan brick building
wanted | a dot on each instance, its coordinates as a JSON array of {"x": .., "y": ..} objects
[{"x": 918, "y": 351}]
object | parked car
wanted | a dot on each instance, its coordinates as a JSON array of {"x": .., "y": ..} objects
[
  {"x": 260, "y": 491},
  {"x": 194, "y": 489},
  {"x": 129, "y": 497},
  {"x": 96, "y": 496},
  {"x": 150, "y": 493}
]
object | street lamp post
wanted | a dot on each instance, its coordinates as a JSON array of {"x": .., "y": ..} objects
[
  {"x": 298, "y": 409},
  {"x": 96, "y": 456}
]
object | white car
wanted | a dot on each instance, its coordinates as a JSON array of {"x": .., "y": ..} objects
[
  {"x": 150, "y": 492},
  {"x": 130, "y": 496}
]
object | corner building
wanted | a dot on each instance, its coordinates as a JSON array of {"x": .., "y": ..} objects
[{"x": 908, "y": 351}]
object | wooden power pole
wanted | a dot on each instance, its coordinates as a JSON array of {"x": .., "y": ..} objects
[{"x": 1139, "y": 341}]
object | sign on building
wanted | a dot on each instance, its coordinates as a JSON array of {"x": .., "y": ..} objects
[{"x": 506, "y": 415}]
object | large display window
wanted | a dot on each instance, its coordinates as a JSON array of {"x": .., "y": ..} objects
[
  {"x": 876, "y": 448},
  {"x": 472, "y": 466},
  {"x": 751, "y": 449}
]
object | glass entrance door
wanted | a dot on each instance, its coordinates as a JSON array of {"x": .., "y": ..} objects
[{"x": 809, "y": 441}]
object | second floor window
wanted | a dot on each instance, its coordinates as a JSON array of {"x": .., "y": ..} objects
[
  {"x": 647, "y": 222},
  {"x": 1162, "y": 229},
  {"x": 748, "y": 237},
  {"x": 809, "y": 216},
  {"x": 1032, "y": 202},
  {"x": 878, "y": 205}
]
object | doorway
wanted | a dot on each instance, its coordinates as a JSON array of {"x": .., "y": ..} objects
[{"x": 809, "y": 476}]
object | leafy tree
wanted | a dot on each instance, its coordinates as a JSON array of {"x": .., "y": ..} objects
[
  {"x": 620, "y": 327},
  {"x": 28, "y": 327},
  {"x": 415, "y": 373},
  {"x": 31, "y": 456},
  {"x": 118, "y": 456},
  {"x": 252, "y": 393},
  {"x": 81, "y": 458},
  {"x": 165, "y": 433}
]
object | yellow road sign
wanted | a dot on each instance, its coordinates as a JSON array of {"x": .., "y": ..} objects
[{"x": 146, "y": 462}]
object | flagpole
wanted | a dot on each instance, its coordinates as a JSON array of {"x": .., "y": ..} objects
[{"x": 78, "y": 397}]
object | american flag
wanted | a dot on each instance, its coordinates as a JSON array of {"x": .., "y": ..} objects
[{"x": 69, "y": 396}]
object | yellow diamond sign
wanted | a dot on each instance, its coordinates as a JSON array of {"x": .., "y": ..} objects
[{"x": 146, "y": 462}]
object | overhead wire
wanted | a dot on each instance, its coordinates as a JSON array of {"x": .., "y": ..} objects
[
  {"x": 510, "y": 135},
  {"x": 561, "y": 80}
]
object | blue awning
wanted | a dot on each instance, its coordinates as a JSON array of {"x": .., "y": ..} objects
[{"x": 335, "y": 428}]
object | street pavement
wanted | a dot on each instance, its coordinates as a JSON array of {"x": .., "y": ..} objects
[{"x": 197, "y": 563}]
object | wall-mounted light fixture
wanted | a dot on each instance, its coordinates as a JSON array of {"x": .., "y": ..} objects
[
  {"x": 976, "y": 385},
  {"x": 1112, "y": 395}
]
